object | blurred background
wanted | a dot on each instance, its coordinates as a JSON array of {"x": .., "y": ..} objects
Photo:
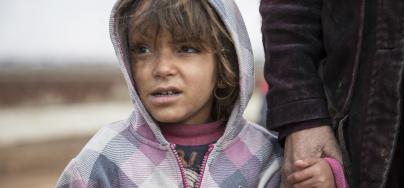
[{"x": 60, "y": 83}]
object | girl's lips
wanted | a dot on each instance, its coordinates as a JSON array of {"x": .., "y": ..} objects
[
  {"x": 161, "y": 96},
  {"x": 160, "y": 100},
  {"x": 165, "y": 91}
]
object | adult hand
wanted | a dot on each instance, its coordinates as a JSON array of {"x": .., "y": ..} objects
[{"x": 308, "y": 143}]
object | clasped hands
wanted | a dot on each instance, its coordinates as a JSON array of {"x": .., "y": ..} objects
[{"x": 303, "y": 165}]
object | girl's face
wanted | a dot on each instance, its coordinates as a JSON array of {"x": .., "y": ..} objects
[{"x": 175, "y": 80}]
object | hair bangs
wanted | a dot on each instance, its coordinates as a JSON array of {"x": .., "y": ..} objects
[{"x": 187, "y": 22}]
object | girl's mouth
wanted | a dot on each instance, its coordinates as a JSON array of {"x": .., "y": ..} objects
[
  {"x": 165, "y": 96},
  {"x": 165, "y": 93}
]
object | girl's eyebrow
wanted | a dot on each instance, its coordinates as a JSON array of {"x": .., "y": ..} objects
[
  {"x": 176, "y": 42},
  {"x": 143, "y": 34},
  {"x": 183, "y": 40},
  {"x": 141, "y": 38}
]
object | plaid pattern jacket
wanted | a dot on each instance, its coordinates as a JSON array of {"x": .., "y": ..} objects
[{"x": 134, "y": 153}]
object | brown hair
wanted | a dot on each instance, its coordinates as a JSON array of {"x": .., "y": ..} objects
[{"x": 193, "y": 21}]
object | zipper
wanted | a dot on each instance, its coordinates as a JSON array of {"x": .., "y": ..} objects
[
  {"x": 201, "y": 171},
  {"x": 182, "y": 170}
]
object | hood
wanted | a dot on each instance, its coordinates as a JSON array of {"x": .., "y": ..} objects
[{"x": 231, "y": 17}]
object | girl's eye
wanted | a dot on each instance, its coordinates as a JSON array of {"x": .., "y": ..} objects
[
  {"x": 141, "y": 49},
  {"x": 187, "y": 49}
]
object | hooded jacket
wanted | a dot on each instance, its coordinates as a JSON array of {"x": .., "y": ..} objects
[{"x": 134, "y": 152}]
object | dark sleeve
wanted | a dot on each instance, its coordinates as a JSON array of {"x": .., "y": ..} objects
[
  {"x": 292, "y": 38},
  {"x": 288, "y": 129}
]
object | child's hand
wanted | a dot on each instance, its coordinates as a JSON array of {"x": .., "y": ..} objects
[{"x": 313, "y": 172}]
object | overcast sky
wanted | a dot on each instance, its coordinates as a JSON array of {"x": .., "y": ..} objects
[{"x": 63, "y": 30}]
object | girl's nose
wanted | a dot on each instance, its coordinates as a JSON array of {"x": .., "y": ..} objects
[{"x": 164, "y": 65}]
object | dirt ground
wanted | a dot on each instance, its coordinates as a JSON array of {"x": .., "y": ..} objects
[
  {"x": 43, "y": 109},
  {"x": 37, "y": 165}
]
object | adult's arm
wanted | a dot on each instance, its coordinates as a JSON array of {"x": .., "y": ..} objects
[{"x": 292, "y": 36}]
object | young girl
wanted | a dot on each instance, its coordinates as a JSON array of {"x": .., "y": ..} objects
[{"x": 189, "y": 68}]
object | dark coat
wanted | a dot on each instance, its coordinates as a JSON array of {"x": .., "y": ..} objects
[{"x": 342, "y": 60}]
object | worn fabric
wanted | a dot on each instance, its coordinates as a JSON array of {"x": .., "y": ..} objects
[
  {"x": 342, "y": 60},
  {"x": 395, "y": 178},
  {"x": 134, "y": 152}
]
